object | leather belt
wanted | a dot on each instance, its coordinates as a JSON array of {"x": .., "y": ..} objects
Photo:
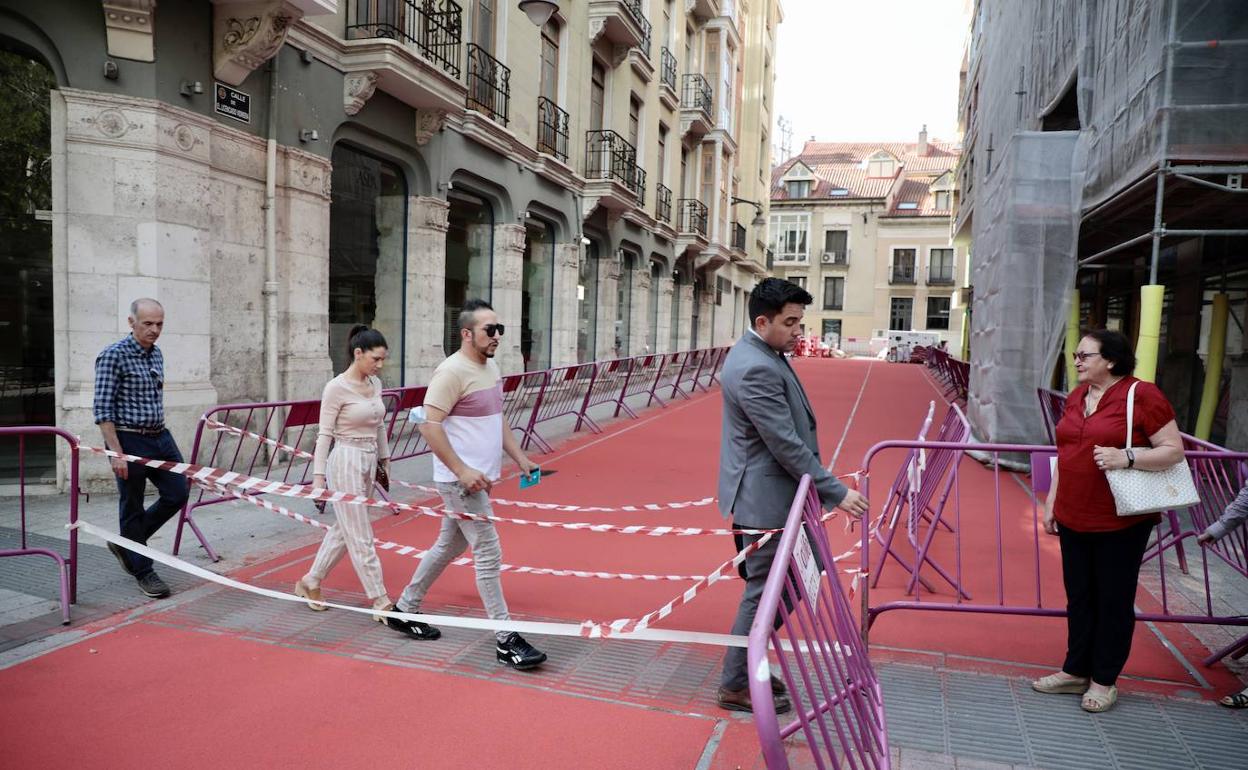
[{"x": 141, "y": 431}]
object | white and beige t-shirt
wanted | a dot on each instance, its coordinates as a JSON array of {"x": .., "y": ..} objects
[{"x": 471, "y": 394}]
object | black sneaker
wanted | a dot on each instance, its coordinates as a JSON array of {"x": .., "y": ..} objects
[
  {"x": 153, "y": 586},
  {"x": 120, "y": 553},
  {"x": 413, "y": 628},
  {"x": 515, "y": 652}
]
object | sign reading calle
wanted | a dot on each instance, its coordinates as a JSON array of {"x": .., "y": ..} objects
[{"x": 233, "y": 103}]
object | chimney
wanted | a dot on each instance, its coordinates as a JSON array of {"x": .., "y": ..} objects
[{"x": 923, "y": 140}]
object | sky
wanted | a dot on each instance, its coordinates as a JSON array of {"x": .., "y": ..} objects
[{"x": 869, "y": 70}]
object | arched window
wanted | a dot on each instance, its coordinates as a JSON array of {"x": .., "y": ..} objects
[
  {"x": 537, "y": 295},
  {"x": 469, "y": 258}
]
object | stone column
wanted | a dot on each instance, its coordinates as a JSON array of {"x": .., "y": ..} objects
[
  {"x": 666, "y": 287},
  {"x": 426, "y": 291},
  {"x": 706, "y": 315},
  {"x": 303, "y": 201},
  {"x": 136, "y": 218},
  {"x": 564, "y": 318},
  {"x": 639, "y": 322},
  {"x": 508, "y": 276},
  {"x": 609, "y": 276},
  {"x": 683, "y": 327}
]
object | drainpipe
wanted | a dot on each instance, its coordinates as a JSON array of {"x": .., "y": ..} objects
[
  {"x": 270, "y": 242},
  {"x": 1213, "y": 372}
]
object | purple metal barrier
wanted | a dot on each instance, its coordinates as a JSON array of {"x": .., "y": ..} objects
[
  {"x": 291, "y": 423},
  {"x": 712, "y": 377},
  {"x": 685, "y": 381},
  {"x": 919, "y": 493},
  {"x": 566, "y": 394},
  {"x": 521, "y": 395},
  {"x": 1026, "y": 598},
  {"x": 610, "y": 383},
  {"x": 1052, "y": 404},
  {"x": 644, "y": 378},
  {"x": 66, "y": 566},
  {"x": 405, "y": 438},
  {"x": 821, "y": 656}
]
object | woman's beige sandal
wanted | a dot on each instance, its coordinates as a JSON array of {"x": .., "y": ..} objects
[
  {"x": 313, "y": 595},
  {"x": 1098, "y": 704},
  {"x": 1061, "y": 684}
]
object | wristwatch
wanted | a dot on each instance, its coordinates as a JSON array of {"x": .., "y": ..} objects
[{"x": 1130, "y": 458}]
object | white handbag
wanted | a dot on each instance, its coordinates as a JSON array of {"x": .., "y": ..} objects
[{"x": 1137, "y": 491}]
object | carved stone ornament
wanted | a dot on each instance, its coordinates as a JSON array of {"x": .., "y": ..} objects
[
  {"x": 130, "y": 29},
  {"x": 183, "y": 136},
  {"x": 619, "y": 53},
  {"x": 428, "y": 123},
  {"x": 436, "y": 213},
  {"x": 513, "y": 237},
  {"x": 246, "y": 35},
  {"x": 112, "y": 123},
  {"x": 357, "y": 88}
]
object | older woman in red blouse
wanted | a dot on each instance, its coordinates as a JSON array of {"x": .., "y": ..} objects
[{"x": 1101, "y": 551}]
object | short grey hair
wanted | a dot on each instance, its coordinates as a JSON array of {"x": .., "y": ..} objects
[{"x": 140, "y": 302}]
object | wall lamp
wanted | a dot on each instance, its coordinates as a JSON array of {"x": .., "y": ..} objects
[
  {"x": 539, "y": 11},
  {"x": 190, "y": 88},
  {"x": 759, "y": 219}
]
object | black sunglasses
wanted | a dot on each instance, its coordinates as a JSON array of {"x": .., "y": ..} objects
[
  {"x": 160, "y": 384},
  {"x": 490, "y": 329}
]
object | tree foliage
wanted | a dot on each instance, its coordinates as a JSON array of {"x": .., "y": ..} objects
[{"x": 25, "y": 162}]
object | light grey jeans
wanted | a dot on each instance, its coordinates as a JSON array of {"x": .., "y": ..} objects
[{"x": 453, "y": 538}]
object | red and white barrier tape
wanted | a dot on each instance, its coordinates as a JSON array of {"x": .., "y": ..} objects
[
  {"x": 206, "y": 476},
  {"x": 407, "y": 550}
]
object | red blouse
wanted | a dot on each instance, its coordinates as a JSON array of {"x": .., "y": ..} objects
[{"x": 1084, "y": 502}]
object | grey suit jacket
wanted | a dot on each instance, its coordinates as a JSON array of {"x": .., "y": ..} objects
[{"x": 768, "y": 440}]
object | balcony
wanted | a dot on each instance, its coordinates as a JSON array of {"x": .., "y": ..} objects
[
  {"x": 620, "y": 22},
  {"x": 552, "y": 129},
  {"x": 738, "y": 236},
  {"x": 695, "y": 106},
  {"x": 901, "y": 275},
  {"x": 705, "y": 9},
  {"x": 489, "y": 84},
  {"x": 431, "y": 27},
  {"x": 693, "y": 216},
  {"x": 663, "y": 203},
  {"x": 940, "y": 275},
  {"x": 615, "y": 182},
  {"x": 667, "y": 79}
]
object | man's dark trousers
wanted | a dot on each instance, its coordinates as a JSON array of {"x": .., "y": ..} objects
[{"x": 137, "y": 523}]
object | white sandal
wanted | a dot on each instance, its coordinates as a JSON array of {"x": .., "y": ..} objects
[
  {"x": 1061, "y": 684},
  {"x": 1099, "y": 704}
]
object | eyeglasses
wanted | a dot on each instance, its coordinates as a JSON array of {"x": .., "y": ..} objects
[
  {"x": 1083, "y": 356},
  {"x": 160, "y": 384},
  {"x": 491, "y": 329}
]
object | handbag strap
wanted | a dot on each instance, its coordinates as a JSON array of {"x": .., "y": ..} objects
[{"x": 1131, "y": 412}]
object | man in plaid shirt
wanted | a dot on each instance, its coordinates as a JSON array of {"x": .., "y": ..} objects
[{"x": 130, "y": 410}]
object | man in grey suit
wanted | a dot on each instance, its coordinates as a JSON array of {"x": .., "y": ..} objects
[{"x": 768, "y": 444}]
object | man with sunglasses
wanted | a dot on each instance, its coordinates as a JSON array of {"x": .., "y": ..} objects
[
  {"x": 130, "y": 410},
  {"x": 465, "y": 427}
]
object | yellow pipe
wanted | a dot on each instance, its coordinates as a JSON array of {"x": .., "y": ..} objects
[
  {"x": 1150, "y": 332},
  {"x": 1072, "y": 339},
  {"x": 1213, "y": 367}
]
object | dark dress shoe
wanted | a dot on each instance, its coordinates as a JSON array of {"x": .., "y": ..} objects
[
  {"x": 777, "y": 686},
  {"x": 739, "y": 700}
]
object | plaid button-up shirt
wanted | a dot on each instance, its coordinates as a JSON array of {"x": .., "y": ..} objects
[{"x": 129, "y": 385}]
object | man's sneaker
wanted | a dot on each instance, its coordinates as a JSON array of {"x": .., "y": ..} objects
[
  {"x": 153, "y": 586},
  {"x": 515, "y": 652},
  {"x": 120, "y": 553},
  {"x": 413, "y": 628}
]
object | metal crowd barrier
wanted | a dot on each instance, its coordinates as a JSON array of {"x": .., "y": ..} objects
[
  {"x": 67, "y": 566},
  {"x": 821, "y": 657},
  {"x": 1024, "y": 594},
  {"x": 954, "y": 374}
]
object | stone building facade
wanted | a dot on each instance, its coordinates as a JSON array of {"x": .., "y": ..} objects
[{"x": 277, "y": 170}]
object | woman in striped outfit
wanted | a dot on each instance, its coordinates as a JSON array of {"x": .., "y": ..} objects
[{"x": 353, "y": 420}]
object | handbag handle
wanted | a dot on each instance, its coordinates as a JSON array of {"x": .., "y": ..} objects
[{"x": 1131, "y": 413}]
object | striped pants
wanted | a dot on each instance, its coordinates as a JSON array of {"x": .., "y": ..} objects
[{"x": 351, "y": 469}]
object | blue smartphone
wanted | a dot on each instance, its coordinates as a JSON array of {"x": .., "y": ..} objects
[{"x": 530, "y": 479}]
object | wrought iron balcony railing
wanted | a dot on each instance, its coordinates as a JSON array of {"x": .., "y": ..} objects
[
  {"x": 901, "y": 275},
  {"x": 639, "y": 16},
  {"x": 663, "y": 203},
  {"x": 552, "y": 129},
  {"x": 940, "y": 275},
  {"x": 692, "y": 216},
  {"x": 738, "y": 236},
  {"x": 433, "y": 27},
  {"x": 667, "y": 69},
  {"x": 609, "y": 156},
  {"x": 489, "y": 84},
  {"x": 697, "y": 94}
]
